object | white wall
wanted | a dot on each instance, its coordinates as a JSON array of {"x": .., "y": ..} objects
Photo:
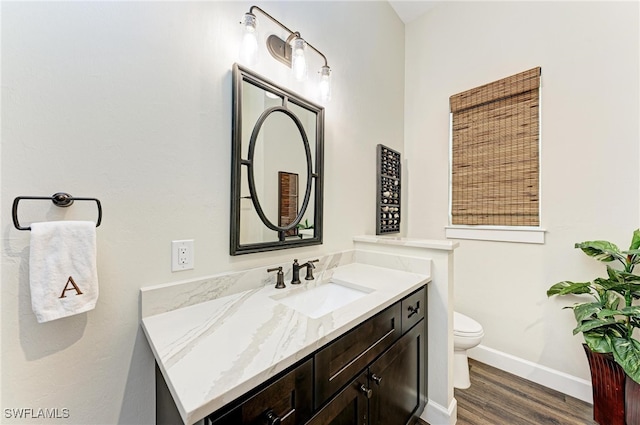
[
  {"x": 130, "y": 102},
  {"x": 589, "y": 54}
]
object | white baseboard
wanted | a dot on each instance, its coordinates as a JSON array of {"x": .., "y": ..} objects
[
  {"x": 436, "y": 414},
  {"x": 550, "y": 378}
]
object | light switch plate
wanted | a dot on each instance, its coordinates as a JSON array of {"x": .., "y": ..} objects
[{"x": 182, "y": 255}]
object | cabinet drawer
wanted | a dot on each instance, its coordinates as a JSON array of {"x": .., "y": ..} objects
[
  {"x": 340, "y": 361},
  {"x": 413, "y": 309},
  {"x": 286, "y": 401}
]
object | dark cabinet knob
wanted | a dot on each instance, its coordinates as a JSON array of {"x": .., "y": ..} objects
[
  {"x": 413, "y": 310},
  {"x": 366, "y": 391},
  {"x": 272, "y": 418},
  {"x": 377, "y": 379}
]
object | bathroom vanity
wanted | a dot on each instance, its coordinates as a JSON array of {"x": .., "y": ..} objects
[
  {"x": 373, "y": 374},
  {"x": 225, "y": 344},
  {"x": 294, "y": 355}
]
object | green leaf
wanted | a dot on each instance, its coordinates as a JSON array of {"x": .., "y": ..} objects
[
  {"x": 598, "y": 342},
  {"x": 621, "y": 276},
  {"x": 566, "y": 287},
  {"x": 603, "y": 314},
  {"x": 586, "y": 311},
  {"x": 599, "y": 289},
  {"x": 632, "y": 311},
  {"x": 629, "y": 277},
  {"x": 305, "y": 225},
  {"x": 589, "y": 325},
  {"x": 627, "y": 354},
  {"x": 614, "y": 275},
  {"x": 634, "y": 254},
  {"x": 635, "y": 241},
  {"x": 612, "y": 300},
  {"x": 601, "y": 250},
  {"x": 611, "y": 286}
]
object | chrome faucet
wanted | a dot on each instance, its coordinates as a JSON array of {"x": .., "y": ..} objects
[{"x": 296, "y": 271}]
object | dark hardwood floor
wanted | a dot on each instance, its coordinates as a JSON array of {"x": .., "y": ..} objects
[{"x": 499, "y": 398}]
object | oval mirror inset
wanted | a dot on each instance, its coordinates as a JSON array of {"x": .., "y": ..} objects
[{"x": 269, "y": 154}]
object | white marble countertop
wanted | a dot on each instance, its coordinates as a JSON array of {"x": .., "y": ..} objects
[{"x": 213, "y": 352}]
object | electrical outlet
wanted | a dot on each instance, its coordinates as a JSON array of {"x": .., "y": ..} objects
[{"x": 182, "y": 255}]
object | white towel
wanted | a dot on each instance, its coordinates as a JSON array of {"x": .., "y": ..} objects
[{"x": 62, "y": 268}]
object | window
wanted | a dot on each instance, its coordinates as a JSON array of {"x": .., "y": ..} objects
[{"x": 495, "y": 138}]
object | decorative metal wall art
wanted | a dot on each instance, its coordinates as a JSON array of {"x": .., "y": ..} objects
[{"x": 388, "y": 191}]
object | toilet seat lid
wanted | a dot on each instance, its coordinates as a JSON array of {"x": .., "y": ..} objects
[{"x": 465, "y": 325}]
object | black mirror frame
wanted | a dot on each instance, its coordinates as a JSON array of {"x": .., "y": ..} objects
[{"x": 240, "y": 75}]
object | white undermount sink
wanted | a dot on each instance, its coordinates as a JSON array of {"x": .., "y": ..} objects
[{"x": 319, "y": 300}]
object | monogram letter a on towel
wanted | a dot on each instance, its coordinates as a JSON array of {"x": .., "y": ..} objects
[{"x": 62, "y": 269}]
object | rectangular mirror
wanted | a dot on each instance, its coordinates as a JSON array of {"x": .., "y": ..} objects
[{"x": 276, "y": 135}]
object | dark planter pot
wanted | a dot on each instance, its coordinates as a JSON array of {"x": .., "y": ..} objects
[
  {"x": 632, "y": 402},
  {"x": 608, "y": 382},
  {"x": 616, "y": 397}
]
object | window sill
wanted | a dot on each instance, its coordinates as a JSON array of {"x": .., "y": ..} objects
[{"x": 533, "y": 235}]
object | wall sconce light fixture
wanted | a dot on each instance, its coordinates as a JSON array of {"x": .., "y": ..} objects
[{"x": 290, "y": 52}]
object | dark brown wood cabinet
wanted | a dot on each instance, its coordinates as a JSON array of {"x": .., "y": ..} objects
[
  {"x": 374, "y": 374},
  {"x": 341, "y": 360},
  {"x": 349, "y": 407},
  {"x": 286, "y": 401},
  {"x": 390, "y": 391},
  {"x": 397, "y": 381}
]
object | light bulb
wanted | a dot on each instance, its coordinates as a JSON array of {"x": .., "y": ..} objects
[
  {"x": 325, "y": 83},
  {"x": 298, "y": 61},
  {"x": 249, "y": 47}
]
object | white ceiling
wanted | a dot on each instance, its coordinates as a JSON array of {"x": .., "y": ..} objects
[{"x": 409, "y": 10}]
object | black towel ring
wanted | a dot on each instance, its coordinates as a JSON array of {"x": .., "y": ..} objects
[{"x": 60, "y": 199}]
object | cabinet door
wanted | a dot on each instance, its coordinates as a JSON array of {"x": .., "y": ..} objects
[
  {"x": 397, "y": 379},
  {"x": 348, "y": 407},
  {"x": 340, "y": 361},
  {"x": 287, "y": 401}
]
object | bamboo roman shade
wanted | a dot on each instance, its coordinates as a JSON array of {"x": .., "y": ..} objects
[{"x": 495, "y": 153}]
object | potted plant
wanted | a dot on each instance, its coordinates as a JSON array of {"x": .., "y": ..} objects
[{"x": 608, "y": 322}]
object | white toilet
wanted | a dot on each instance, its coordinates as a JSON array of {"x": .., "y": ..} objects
[{"x": 467, "y": 333}]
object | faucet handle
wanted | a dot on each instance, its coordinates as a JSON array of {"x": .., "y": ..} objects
[
  {"x": 310, "y": 268},
  {"x": 279, "y": 277}
]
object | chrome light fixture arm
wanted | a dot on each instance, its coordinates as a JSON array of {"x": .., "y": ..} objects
[
  {"x": 282, "y": 50},
  {"x": 272, "y": 19},
  {"x": 292, "y": 34}
]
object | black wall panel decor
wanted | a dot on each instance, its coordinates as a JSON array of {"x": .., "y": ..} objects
[{"x": 388, "y": 193}]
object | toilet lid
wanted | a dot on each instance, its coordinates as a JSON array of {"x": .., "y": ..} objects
[{"x": 465, "y": 325}]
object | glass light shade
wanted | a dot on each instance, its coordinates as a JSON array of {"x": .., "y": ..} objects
[
  {"x": 298, "y": 61},
  {"x": 325, "y": 84},
  {"x": 249, "y": 47}
]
